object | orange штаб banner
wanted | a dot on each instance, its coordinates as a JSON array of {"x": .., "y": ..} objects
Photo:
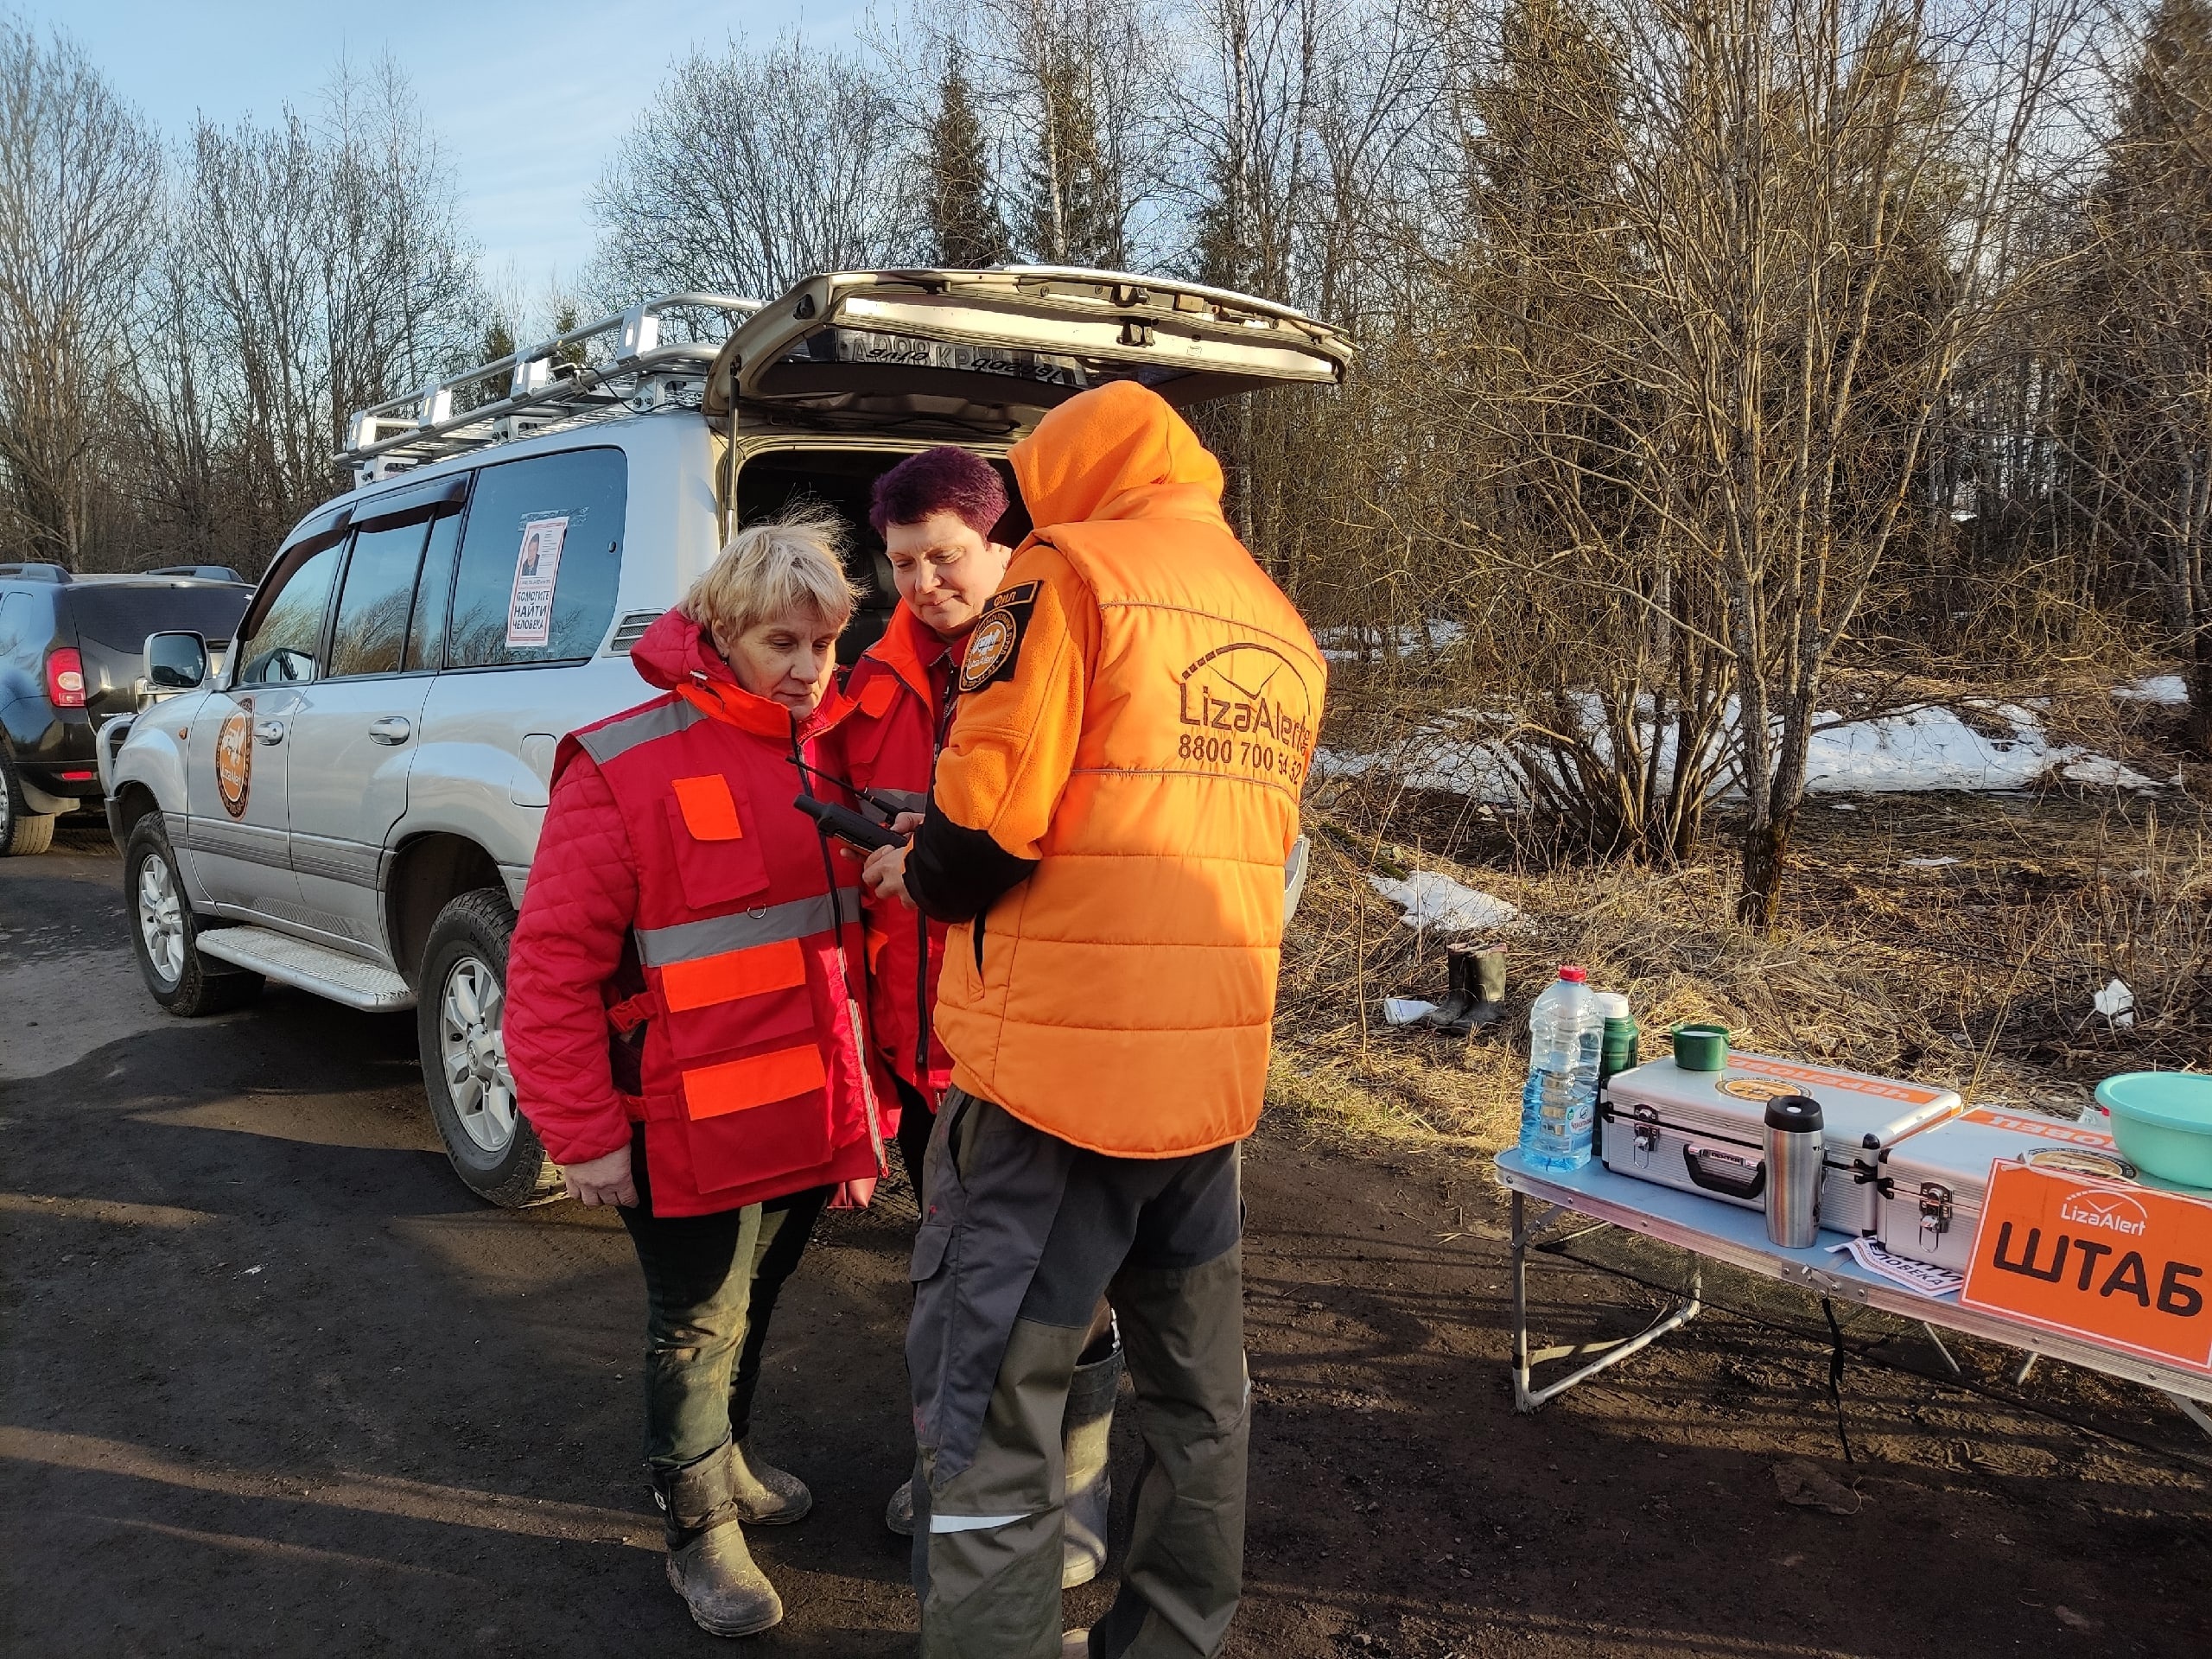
[{"x": 2125, "y": 1267}]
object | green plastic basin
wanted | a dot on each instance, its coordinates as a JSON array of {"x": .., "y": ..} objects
[{"x": 2163, "y": 1123}]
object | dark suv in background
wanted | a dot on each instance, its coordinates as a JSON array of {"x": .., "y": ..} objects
[{"x": 72, "y": 657}]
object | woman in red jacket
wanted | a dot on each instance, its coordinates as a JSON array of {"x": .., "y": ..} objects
[{"x": 684, "y": 1032}]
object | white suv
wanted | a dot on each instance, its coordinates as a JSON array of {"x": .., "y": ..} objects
[{"x": 350, "y": 804}]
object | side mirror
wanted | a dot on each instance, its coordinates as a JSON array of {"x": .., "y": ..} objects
[{"x": 175, "y": 662}]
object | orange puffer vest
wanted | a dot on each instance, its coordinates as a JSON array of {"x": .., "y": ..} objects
[
  {"x": 1121, "y": 996},
  {"x": 753, "y": 1076}
]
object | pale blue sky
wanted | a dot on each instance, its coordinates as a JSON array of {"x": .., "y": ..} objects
[{"x": 529, "y": 96}]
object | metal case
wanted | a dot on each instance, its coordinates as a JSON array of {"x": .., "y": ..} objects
[
  {"x": 1929, "y": 1200},
  {"x": 1705, "y": 1131}
]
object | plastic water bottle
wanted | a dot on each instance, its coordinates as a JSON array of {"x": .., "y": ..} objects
[{"x": 1559, "y": 1105}]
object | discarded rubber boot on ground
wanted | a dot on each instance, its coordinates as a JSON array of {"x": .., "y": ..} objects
[
  {"x": 1475, "y": 993},
  {"x": 1085, "y": 1429},
  {"x": 766, "y": 1495},
  {"x": 898, "y": 1513},
  {"x": 709, "y": 1565}
]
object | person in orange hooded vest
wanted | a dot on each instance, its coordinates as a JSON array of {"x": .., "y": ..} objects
[
  {"x": 683, "y": 1026},
  {"x": 1107, "y": 830},
  {"x": 936, "y": 511}
]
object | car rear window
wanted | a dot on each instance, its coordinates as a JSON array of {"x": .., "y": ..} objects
[
  {"x": 121, "y": 617},
  {"x": 540, "y": 560}
]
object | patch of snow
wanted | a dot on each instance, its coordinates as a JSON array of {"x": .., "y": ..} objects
[
  {"x": 2095, "y": 770},
  {"x": 1916, "y": 750},
  {"x": 1925, "y": 749},
  {"x": 1405, "y": 1010},
  {"x": 1432, "y": 900},
  {"x": 1929, "y": 863},
  {"x": 2166, "y": 690},
  {"x": 1349, "y": 645}
]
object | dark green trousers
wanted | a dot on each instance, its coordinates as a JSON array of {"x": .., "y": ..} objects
[{"x": 1022, "y": 1234}]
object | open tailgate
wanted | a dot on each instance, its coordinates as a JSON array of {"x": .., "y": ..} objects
[{"x": 992, "y": 350}]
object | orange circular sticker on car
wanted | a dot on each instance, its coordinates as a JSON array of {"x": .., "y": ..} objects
[
  {"x": 1753, "y": 1089},
  {"x": 234, "y": 759}
]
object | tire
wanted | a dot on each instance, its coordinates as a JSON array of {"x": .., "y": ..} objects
[
  {"x": 23, "y": 832},
  {"x": 165, "y": 934},
  {"x": 460, "y": 1004}
]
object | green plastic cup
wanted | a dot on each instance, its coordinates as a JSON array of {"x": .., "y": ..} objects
[{"x": 1700, "y": 1046}]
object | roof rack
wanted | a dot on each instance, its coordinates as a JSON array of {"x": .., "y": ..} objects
[
  {"x": 33, "y": 571},
  {"x": 617, "y": 364}
]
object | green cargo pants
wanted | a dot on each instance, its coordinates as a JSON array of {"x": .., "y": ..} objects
[{"x": 1022, "y": 1234}]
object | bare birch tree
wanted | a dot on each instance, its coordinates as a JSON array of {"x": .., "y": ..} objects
[
  {"x": 755, "y": 167},
  {"x": 80, "y": 178}
]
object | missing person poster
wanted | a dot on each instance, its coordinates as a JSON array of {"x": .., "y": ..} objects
[{"x": 537, "y": 567}]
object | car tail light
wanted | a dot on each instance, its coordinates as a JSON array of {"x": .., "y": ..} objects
[
  {"x": 77, "y": 777},
  {"x": 65, "y": 678}
]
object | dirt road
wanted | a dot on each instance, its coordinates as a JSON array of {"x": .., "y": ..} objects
[{"x": 271, "y": 1382}]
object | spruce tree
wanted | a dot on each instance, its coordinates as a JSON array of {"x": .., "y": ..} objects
[{"x": 964, "y": 224}]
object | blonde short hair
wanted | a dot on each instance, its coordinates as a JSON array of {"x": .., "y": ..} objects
[{"x": 773, "y": 568}]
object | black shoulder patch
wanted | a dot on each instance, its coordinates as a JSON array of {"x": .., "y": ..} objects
[{"x": 995, "y": 645}]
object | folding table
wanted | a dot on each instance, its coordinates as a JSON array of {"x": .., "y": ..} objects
[{"x": 1722, "y": 1232}]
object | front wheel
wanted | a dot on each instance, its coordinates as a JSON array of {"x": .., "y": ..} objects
[
  {"x": 460, "y": 1017},
  {"x": 165, "y": 934}
]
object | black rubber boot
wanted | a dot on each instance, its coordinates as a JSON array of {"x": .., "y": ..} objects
[
  {"x": 1490, "y": 987},
  {"x": 1459, "y": 993},
  {"x": 898, "y": 1513},
  {"x": 708, "y": 1563},
  {"x": 1084, "y": 1431}
]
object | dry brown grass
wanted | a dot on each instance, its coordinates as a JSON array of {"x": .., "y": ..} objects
[{"x": 1974, "y": 973}]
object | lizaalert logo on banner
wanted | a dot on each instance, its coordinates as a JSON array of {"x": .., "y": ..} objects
[{"x": 2121, "y": 1266}]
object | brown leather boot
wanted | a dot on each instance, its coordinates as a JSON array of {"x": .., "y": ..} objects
[{"x": 708, "y": 1563}]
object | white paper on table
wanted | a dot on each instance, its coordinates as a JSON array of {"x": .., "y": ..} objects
[{"x": 1921, "y": 1278}]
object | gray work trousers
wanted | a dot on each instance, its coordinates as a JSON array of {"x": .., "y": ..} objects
[{"x": 1021, "y": 1234}]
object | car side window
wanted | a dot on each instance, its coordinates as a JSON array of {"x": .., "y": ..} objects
[
  {"x": 283, "y": 648},
  {"x": 540, "y": 560},
  {"x": 426, "y": 633},
  {"x": 372, "y": 603},
  {"x": 15, "y": 624}
]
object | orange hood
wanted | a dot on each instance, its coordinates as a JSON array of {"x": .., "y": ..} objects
[{"x": 1119, "y": 452}]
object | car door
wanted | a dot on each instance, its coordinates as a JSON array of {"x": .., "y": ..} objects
[
  {"x": 355, "y": 728},
  {"x": 238, "y": 754}
]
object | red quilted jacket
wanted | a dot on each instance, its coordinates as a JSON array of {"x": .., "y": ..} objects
[
  {"x": 678, "y": 959},
  {"x": 897, "y": 691}
]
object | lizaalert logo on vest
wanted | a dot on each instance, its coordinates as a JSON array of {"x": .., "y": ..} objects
[
  {"x": 234, "y": 758},
  {"x": 1245, "y": 710},
  {"x": 2121, "y": 1266}
]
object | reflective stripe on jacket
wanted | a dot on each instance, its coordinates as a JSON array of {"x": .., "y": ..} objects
[
  {"x": 675, "y": 888},
  {"x": 896, "y": 692},
  {"x": 1137, "y": 710}
]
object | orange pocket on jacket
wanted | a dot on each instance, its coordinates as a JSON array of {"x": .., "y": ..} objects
[
  {"x": 737, "y": 1000},
  {"x": 721, "y": 865},
  {"x": 755, "y": 1081}
]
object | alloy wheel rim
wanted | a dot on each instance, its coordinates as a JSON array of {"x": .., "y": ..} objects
[
  {"x": 472, "y": 1049},
  {"x": 161, "y": 918}
]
